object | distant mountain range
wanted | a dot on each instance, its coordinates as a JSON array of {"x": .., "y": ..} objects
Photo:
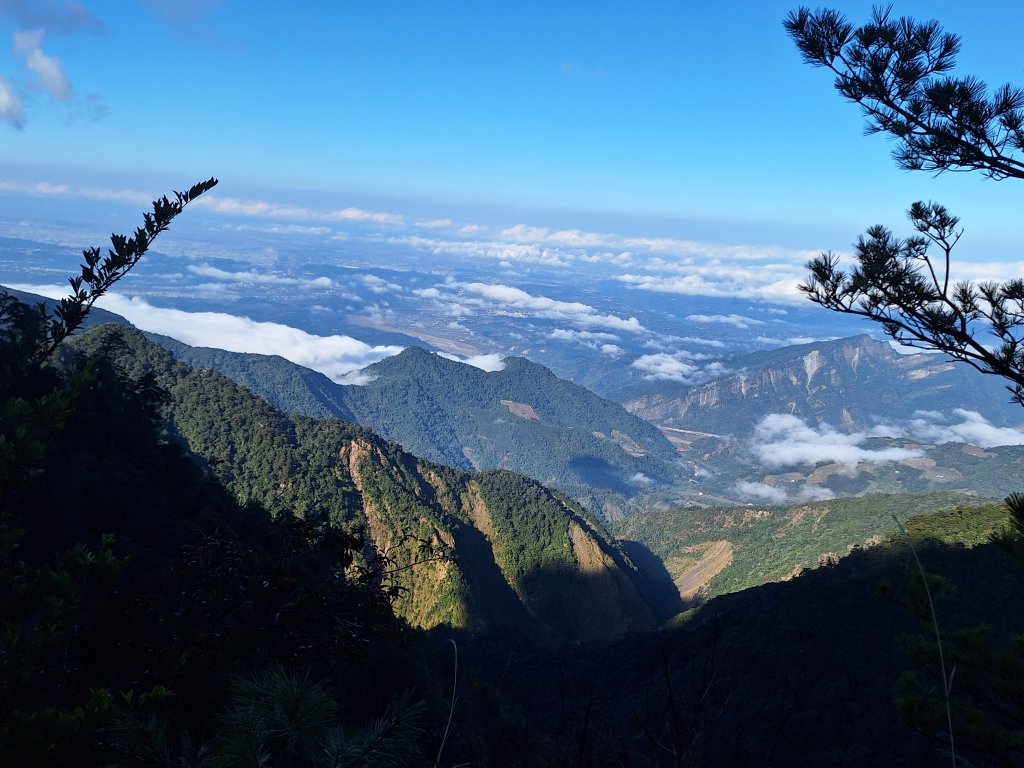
[
  {"x": 852, "y": 384},
  {"x": 848, "y": 417},
  {"x": 709, "y": 445}
]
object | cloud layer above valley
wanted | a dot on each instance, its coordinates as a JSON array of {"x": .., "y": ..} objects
[
  {"x": 334, "y": 356},
  {"x": 782, "y": 440}
]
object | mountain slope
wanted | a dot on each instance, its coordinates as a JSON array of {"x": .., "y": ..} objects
[
  {"x": 521, "y": 418},
  {"x": 472, "y": 551},
  {"x": 849, "y": 383}
]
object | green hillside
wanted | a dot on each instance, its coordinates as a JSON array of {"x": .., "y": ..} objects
[
  {"x": 714, "y": 550},
  {"x": 440, "y": 529},
  {"x": 521, "y": 418}
]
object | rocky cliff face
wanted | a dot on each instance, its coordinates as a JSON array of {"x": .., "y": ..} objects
[{"x": 849, "y": 383}]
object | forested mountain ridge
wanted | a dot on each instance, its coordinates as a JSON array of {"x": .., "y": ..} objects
[
  {"x": 521, "y": 418},
  {"x": 471, "y": 551}
]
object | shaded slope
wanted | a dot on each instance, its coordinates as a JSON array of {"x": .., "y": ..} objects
[{"x": 801, "y": 673}]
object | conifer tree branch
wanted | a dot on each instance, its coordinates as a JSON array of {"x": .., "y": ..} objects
[{"x": 100, "y": 272}]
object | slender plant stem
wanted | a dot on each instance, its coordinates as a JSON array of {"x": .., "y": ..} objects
[
  {"x": 947, "y": 680},
  {"x": 451, "y": 710}
]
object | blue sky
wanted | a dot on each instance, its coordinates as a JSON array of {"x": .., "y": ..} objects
[{"x": 654, "y": 119}]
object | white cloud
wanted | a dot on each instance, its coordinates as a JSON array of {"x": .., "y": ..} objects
[
  {"x": 762, "y": 492},
  {"x": 783, "y": 440},
  {"x": 235, "y": 207},
  {"x": 10, "y": 104},
  {"x": 585, "y": 337},
  {"x": 972, "y": 428},
  {"x": 736, "y": 320},
  {"x": 358, "y": 214},
  {"x": 816, "y": 493},
  {"x": 772, "y": 494},
  {"x": 489, "y": 363},
  {"x": 281, "y": 229},
  {"x": 356, "y": 378},
  {"x": 507, "y": 297},
  {"x": 612, "y": 350},
  {"x": 379, "y": 284},
  {"x": 776, "y": 283},
  {"x": 684, "y": 367},
  {"x": 673, "y": 249},
  {"x": 771, "y": 341},
  {"x": 206, "y": 270},
  {"x": 598, "y": 340},
  {"x": 525, "y": 234},
  {"x": 49, "y": 75},
  {"x": 667, "y": 341},
  {"x": 513, "y": 253},
  {"x": 48, "y": 189},
  {"x": 334, "y": 356},
  {"x": 640, "y": 479}
]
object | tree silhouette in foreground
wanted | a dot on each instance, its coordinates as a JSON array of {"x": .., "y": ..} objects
[
  {"x": 32, "y": 408},
  {"x": 894, "y": 70}
]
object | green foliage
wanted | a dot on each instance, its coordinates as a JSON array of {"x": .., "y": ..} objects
[
  {"x": 968, "y": 525},
  {"x": 966, "y": 692},
  {"x": 100, "y": 272},
  {"x": 899, "y": 284},
  {"x": 531, "y": 528},
  {"x": 97, "y": 629},
  {"x": 427, "y": 548},
  {"x": 31, "y": 407},
  {"x": 276, "y": 718},
  {"x": 44, "y": 612},
  {"x": 893, "y": 70}
]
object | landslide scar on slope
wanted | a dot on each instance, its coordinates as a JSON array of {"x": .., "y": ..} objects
[
  {"x": 522, "y": 410},
  {"x": 691, "y": 577}
]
